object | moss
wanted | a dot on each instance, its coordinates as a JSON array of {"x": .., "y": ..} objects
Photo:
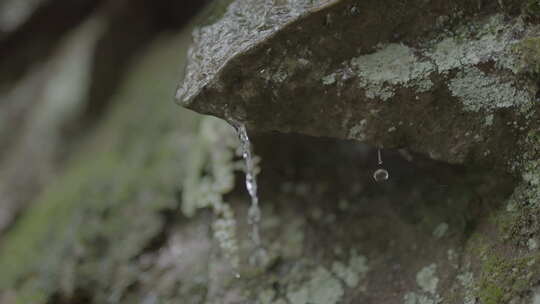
[
  {"x": 528, "y": 51},
  {"x": 129, "y": 170},
  {"x": 503, "y": 278},
  {"x": 532, "y": 8},
  {"x": 479, "y": 244},
  {"x": 523, "y": 207}
]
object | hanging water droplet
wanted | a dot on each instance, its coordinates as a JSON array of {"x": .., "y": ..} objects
[{"x": 380, "y": 175}]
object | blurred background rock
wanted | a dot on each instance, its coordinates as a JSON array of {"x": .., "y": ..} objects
[{"x": 60, "y": 64}]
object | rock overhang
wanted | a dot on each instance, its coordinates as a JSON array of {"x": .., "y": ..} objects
[{"x": 352, "y": 70}]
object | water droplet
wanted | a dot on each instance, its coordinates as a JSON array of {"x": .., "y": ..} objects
[
  {"x": 380, "y": 175},
  {"x": 254, "y": 213}
]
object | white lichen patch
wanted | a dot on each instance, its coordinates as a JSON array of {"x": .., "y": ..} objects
[
  {"x": 427, "y": 280},
  {"x": 351, "y": 274},
  {"x": 450, "y": 54},
  {"x": 482, "y": 92},
  {"x": 489, "y": 120},
  {"x": 329, "y": 79},
  {"x": 453, "y": 258},
  {"x": 357, "y": 131},
  {"x": 214, "y": 150},
  {"x": 440, "y": 231},
  {"x": 532, "y": 244},
  {"x": 322, "y": 288},
  {"x": 398, "y": 65},
  {"x": 394, "y": 64},
  {"x": 492, "y": 42},
  {"x": 531, "y": 178},
  {"x": 536, "y": 296},
  {"x": 466, "y": 280}
]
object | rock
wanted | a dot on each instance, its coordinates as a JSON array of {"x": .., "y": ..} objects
[
  {"x": 129, "y": 219},
  {"x": 444, "y": 79},
  {"x": 456, "y": 81}
]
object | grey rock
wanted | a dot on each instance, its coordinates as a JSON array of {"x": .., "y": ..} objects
[{"x": 434, "y": 77}]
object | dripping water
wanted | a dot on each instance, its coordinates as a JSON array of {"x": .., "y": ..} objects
[
  {"x": 254, "y": 213},
  {"x": 380, "y": 174}
]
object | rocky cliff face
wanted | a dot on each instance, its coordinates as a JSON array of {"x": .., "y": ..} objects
[
  {"x": 456, "y": 82},
  {"x": 153, "y": 207}
]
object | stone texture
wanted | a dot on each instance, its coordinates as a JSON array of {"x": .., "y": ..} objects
[
  {"x": 133, "y": 219},
  {"x": 392, "y": 74}
]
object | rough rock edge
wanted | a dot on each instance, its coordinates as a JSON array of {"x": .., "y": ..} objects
[
  {"x": 449, "y": 67},
  {"x": 240, "y": 29}
]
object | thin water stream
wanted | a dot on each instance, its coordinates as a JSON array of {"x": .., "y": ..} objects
[
  {"x": 254, "y": 213},
  {"x": 259, "y": 256}
]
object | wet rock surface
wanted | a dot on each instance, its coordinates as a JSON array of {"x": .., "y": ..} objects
[{"x": 439, "y": 78}]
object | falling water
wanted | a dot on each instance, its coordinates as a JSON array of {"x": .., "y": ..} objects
[
  {"x": 380, "y": 174},
  {"x": 254, "y": 213}
]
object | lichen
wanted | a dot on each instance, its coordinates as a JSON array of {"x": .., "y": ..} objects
[
  {"x": 532, "y": 244},
  {"x": 354, "y": 272},
  {"x": 489, "y": 40},
  {"x": 395, "y": 64},
  {"x": 322, "y": 288},
  {"x": 524, "y": 204},
  {"x": 502, "y": 277},
  {"x": 427, "y": 280},
  {"x": 479, "y": 91},
  {"x": 123, "y": 179},
  {"x": 358, "y": 130},
  {"x": 214, "y": 152},
  {"x": 466, "y": 280},
  {"x": 292, "y": 240},
  {"x": 440, "y": 230},
  {"x": 492, "y": 40},
  {"x": 489, "y": 120}
]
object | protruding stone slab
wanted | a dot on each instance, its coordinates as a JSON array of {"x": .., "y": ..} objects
[{"x": 445, "y": 79}]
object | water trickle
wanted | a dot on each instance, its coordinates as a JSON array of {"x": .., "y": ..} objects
[{"x": 254, "y": 213}]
